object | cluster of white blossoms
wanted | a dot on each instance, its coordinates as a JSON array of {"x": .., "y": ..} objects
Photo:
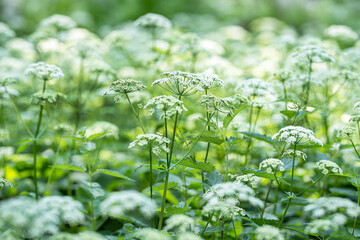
[
  {"x": 108, "y": 129},
  {"x": 320, "y": 226},
  {"x": 87, "y": 235},
  {"x": 296, "y": 134},
  {"x": 223, "y": 199},
  {"x": 178, "y": 82},
  {"x": 208, "y": 81},
  {"x": 153, "y": 21},
  {"x": 58, "y": 22},
  {"x": 189, "y": 236},
  {"x": 32, "y": 219},
  {"x": 254, "y": 87},
  {"x": 289, "y": 153},
  {"x": 272, "y": 164},
  {"x": 156, "y": 142},
  {"x": 267, "y": 232},
  {"x": 64, "y": 129},
  {"x": 328, "y": 166},
  {"x": 97, "y": 68},
  {"x": 357, "y": 106},
  {"x": 326, "y": 206},
  {"x": 150, "y": 234},
  {"x": 282, "y": 75},
  {"x": 125, "y": 86},
  {"x": 346, "y": 132},
  {"x": 248, "y": 178},
  {"x": 121, "y": 204},
  {"x": 215, "y": 104},
  {"x": 311, "y": 53},
  {"x": 47, "y": 97},
  {"x": 44, "y": 71},
  {"x": 179, "y": 223},
  {"x": 341, "y": 32},
  {"x": 167, "y": 105},
  {"x": 4, "y": 182}
]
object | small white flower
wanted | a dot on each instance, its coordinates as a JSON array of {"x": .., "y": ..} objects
[
  {"x": 272, "y": 164},
  {"x": 151, "y": 234},
  {"x": 180, "y": 223},
  {"x": 153, "y": 20},
  {"x": 155, "y": 142},
  {"x": 249, "y": 178},
  {"x": 289, "y": 153},
  {"x": 326, "y": 166},
  {"x": 167, "y": 105},
  {"x": 44, "y": 71},
  {"x": 267, "y": 232},
  {"x": 296, "y": 134},
  {"x": 346, "y": 132}
]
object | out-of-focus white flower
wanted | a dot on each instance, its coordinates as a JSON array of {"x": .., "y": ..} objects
[
  {"x": 320, "y": 226},
  {"x": 325, "y": 206},
  {"x": 153, "y": 20},
  {"x": 267, "y": 232},
  {"x": 59, "y": 22},
  {"x": 311, "y": 53},
  {"x": 121, "y": 204},
  {"x": 341, "y": 33},
  {"x": 179, "y": 223},
  {"x": 44, "y": 71},
  {"x": 346, "y": 132},
  {"x": 109, "y": 130},
  {"x": 5, "y": 33}
]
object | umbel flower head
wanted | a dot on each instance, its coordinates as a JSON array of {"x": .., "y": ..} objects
[
  {"x": 207, "y": 81},
  {"x": 289, "y": 153},
  {"x": 167, "y": 105},
  {"x": 155, "y": 142},
  {"x": 125, "y": 86},
  {"x": 311, "y": 53},
  {"x": 5, "y": 33},
  {"x": 254, "y": 87},
  {"x": 33, "y": 220},
  {"x": 98, "y": 68},
  {"x": 153, "y": 20},
  {"x": 215, "y": 104},
  {"x": 102, "y": 127},
  {"x": 248, "y": 178},
  {"x": 328, "y": 166},
  {"x": 178, "y": 83},
  {"x": 58, "y": 22},
  {"x": 272, "y": 164},
  {"x": 86, "y": 235},
  {"x": 124, "y": 203},
  {"x": 150, "y": 234},
  {"x": 320, "y": 226},
  {"x": 223, "y": 199},
  {"x": 267, "y": 232},
  {"x": 44, "y": 71},
  {"x": 47, "y": 97},
  {"x": 346, "y": 132},
  {"x": 179, "y": 223},
  {"x": 294, "y": 135}
]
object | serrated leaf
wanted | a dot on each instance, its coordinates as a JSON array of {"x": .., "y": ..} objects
[
  {"x": 260, "y": 137},
  {"x": 113, "y": 174},
  {"x": 190, "y": 162},
  {"x": 70, "y": 167},
  {"x": 94, "y": 188}
]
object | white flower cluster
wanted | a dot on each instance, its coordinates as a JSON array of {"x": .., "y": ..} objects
[
  {"x": 282, "y": 75},
  {"x": 5, "y": 183},
  {"x": 179, "y": 223},
  {"x": 64, "y": 129},
  {"x": 289, "y": 153},
  {"x": 296, "y": 134},
  {"x": 254, "y": 87},
  {"x": 87, "y": 235},
  {"x": 178, "y": 82},
  {"x": 151, "y": 234},
  {"x": 125, "y": 86},
  {"x": 121, "y": 204},
  {"x": 47, "y": 97},
  {"x": 35, "y": 219},
  {"x": 189, "y": 236},
  {"x": 267, "y": 232},
  {"x": 223, "y": 199},
  {"x": 207, "y": 81},
  {"x": 357, "y": 106},
  {"x": 346, "y": 132},
  {"x": 214, "y": 104},
  {"x": 99, "y": 68},
  {"x": 153, "y": 141},
  {"x": 167, "y": 105},
  {"x": 307, "y": 53},
  {"x": 58, "y": 22},
  {"x": 326, "y": 166},
  {"x": 341, "y": 32},
  {"x": 44, "y": 71},
  {"x": 153, "y": 20},
  {"x": 272, "y": 164},
  {"x": 5, "y": 33},
  {"x": 320, "y": 226},
  {"x": 110, "y": 130},
  {"x": 248, "y": 178},
  {"x": 325, "y": 206}
]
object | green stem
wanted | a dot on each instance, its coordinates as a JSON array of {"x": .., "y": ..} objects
[
  {"x": 358, "y": 202},
  {"x": 168, "y": 171},
  {"x": 352, "y": 143},
  {"x": 151, "y": 182},
  {"x": 136, "y": 114},
  {"x": 207, "y": 223},
  {"x": 310, "y": 186},
  {"x": 93, "y": 221},
  {"x": 266, "y": 199},
  {"x": 291, "y": 188},
  {"x": 52, "y": 168}
]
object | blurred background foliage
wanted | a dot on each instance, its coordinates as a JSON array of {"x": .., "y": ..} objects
[{"x": 307, "y": 16}]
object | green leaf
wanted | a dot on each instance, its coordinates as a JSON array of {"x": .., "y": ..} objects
[
  {"x": 96, "y": 135},
  {"x": 190, "y": 162},
  {"x": 22, "y": 147},
  {"x": 210, "y": 137},
  {"x": 262, "y": 174},
  {"x": 113, "y": 174},
  {"x": 228, "y": 119},
  {"x": 288, "y": 113},
  {"x": 160, "y": 186},
  {"x": 70, "y": 167},
  {"x": 94, "y": 188},
  {"x": 260, "y": 137}
]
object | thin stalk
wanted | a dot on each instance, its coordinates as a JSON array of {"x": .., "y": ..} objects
[
  {"x": 249, "y": 141},
  {"x": 291, "y": 188},
  {"x": 308, "y": 83},
  {"x": 135, "y": 113},
  {"x": 207, "y": 223},
  {"x": 266, "y": 199},
  {"x": 222, "y": 230},
  {"x": 93, "y": 221},
  {"x": 352, "y": 143},
  {"x": 168, "y": 171},
  {"x": 151, "y": 183},
  {"x": 207, "y": 148},
  {"x": 52, "y": 168},
  {"x": 233, "y": 222},
  {"x": 358, "y": 202},
  {"x": 35, "y": 144},
  {"x": 310, "y": 185}
]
